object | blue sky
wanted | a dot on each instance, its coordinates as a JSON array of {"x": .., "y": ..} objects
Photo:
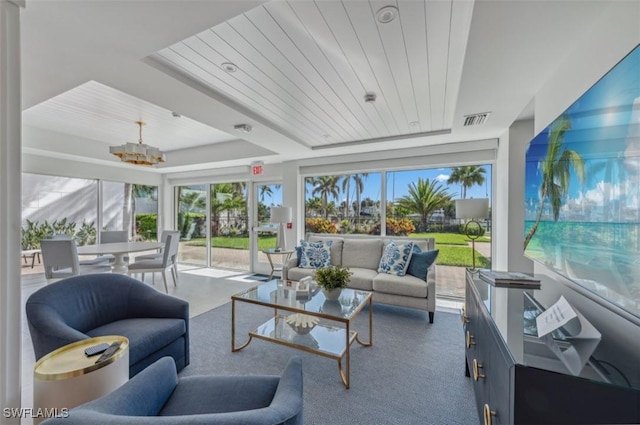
[
  {"x": 401, "y": 180},
  {"x": 605, "y": 131}
]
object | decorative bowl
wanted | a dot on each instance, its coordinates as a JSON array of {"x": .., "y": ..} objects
[{"x": 302, "y": 324}]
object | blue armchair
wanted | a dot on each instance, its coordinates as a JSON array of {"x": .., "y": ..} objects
[
  {"x": 85, "y": 306},
  {"x": 156, "y": 396}
]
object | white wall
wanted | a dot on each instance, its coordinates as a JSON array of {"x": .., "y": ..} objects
[
  {"x": 520, "y": 134},
  {"x": 615, "y": 35}
]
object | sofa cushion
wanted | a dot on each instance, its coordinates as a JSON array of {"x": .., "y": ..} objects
[
  {"x": 407, "y": 285},
  {"x": 146, "y": 335},
  {"x": 362, "y": 278},
  {"x": 362, "y": 253},
  {"x": 395, "y": 258},
  {"x": 336, "y": 247},
  {"x": 420, "y": 262},
  {"x": 315, "y": 254},
  {"x": 297, "y": 273}
]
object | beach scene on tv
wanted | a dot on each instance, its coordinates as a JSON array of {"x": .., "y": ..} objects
[{"x": 582, "y": 194}]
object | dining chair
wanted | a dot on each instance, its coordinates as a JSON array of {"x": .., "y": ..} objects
[
  {"x": 84, "y": 262},
  {"x": 163, "y": 239},
  {"x": 113, "y": 236},
  {"x": 160, "y": 265},
  {"x": 60, "y": 259}
]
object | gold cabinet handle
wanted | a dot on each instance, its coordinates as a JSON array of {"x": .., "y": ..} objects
[
  {"x": 470, "y": 340},
  {"x": 488, "y": 415},
  {"x": 463, "y": 317},
  {"x": 476, "y": 370}
]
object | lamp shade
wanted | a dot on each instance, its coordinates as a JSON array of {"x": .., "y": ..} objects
[
  {"x": 472, "y": 208},
  {"x": 281, "y": 214}
]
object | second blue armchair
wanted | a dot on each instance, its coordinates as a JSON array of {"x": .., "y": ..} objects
[{"x": 157, "y": 397}]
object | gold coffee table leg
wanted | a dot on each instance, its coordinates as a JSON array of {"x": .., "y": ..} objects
[
  {"x": 344, "y": 373},
  {"x": 370, "y": 343},
  {"x": 233, "y": 330}
]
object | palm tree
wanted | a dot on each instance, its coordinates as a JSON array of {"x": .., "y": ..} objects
[
  {"x": 326, "y": 186},
  {"x": 346, "y": 182},
  {"x": 358, "y": 179},
  {"x": 424, "y": 198},
  {"x": 131, "y": 192},
  {"x": 556, "y": 172},
  {"x": 467, "y": 176},
  {"x": 314, "y": 205},
  {"x": 267, "y": 189},
  {"x": 221, "y": 193}
]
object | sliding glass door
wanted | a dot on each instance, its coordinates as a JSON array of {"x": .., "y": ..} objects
[
  {"x": 191, "y": 222},
  {"x": 265, "y": 195},
  {"x": 230, "y": 226}
]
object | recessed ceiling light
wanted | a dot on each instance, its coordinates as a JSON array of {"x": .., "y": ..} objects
[
  {"x": 229, "y": 67},
  {"x": 245, "y": 128},
  {"x": 387, "y": 14}
]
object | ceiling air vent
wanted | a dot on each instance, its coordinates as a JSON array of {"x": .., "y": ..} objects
[{"x": 476, "y": 119}]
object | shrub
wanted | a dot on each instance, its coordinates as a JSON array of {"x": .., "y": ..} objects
[
  {"x": 186, "y": 218},
  {"x": 147, "y": 225},
  {"x": 33, "y": 232},
  {"x": 395, "y": 227},
  {"x": 320, "y": 225}
]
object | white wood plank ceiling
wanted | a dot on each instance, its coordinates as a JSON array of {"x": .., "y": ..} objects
[
  {"x": 98, "y": 112},
  {"x": 306, "y": 66}
]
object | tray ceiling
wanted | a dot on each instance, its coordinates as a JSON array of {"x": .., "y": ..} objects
[{"x": 306, "y": 67}]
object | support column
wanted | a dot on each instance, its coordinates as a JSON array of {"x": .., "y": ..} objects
[{"x": 10, "y": 208}]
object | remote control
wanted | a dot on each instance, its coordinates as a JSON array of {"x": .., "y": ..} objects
[
  {"x": 109, "y": 352},
  {"x": 95, "y": 349}
]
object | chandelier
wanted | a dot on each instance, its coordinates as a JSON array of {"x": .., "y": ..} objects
[{"x": 138, "y": 153}]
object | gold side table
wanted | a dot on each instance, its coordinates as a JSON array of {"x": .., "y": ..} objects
[
  {"x": 66, "y": 377},
  {"x": 277, "y": 267}
]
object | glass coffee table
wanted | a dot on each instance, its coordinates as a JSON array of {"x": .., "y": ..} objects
[{"x": 306, "y": 320}]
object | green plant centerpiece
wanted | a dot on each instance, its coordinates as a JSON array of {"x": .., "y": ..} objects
[{"x": 332, "y": 279}]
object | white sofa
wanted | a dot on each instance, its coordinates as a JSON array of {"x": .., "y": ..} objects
[{"x": 361, "y": 254}]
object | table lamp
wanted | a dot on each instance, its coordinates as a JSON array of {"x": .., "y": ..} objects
[
  {"x": 281, "y": 215},
  {"x": 472, "y": 209}
]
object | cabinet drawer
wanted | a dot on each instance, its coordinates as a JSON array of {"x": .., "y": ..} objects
[{"x": 498, "y": 372}]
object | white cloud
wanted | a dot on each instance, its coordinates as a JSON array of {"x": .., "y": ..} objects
[{"x": 442, "y": 177}]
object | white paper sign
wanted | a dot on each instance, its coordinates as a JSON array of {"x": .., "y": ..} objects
[
  {"x": 554, "y": 317},
  {"x": 580, "y": 337}
]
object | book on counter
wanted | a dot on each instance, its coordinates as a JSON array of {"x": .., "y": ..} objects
[{"x": 509, "y": 279}]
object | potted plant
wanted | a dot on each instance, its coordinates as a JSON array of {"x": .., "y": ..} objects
[{"x": 332, "y": 279}]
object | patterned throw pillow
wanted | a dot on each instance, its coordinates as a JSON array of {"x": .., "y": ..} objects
[
  {"x": 420, "y": 262},
  {"x": 315, "y": 254},
  {"x": 395, "y": 258}
]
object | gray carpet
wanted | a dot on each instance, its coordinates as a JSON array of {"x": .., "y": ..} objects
[{"x": 413, "y": 374}]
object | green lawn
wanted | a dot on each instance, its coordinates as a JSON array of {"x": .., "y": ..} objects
[
  {"x": 451, "y": 255},
  {"x": 448, "y": 238},
  {"x": 237, "y": 242},
  {"x": 453, "y": 247}
]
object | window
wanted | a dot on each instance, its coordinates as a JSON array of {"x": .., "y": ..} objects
[{"x": 348, "y": 203}]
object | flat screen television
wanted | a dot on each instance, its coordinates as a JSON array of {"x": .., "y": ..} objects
[{"x": 582, "y": 194}]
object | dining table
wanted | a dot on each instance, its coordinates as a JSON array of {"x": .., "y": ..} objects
[{"x": 119, "y": 250}]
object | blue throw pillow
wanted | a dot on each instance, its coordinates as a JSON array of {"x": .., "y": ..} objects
[
  {"x": 395, "y": 258},
  {"x": 315, "y": 254},
  {"x": 298, "y": 255},
  {"x": 420, "y": 262}
]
